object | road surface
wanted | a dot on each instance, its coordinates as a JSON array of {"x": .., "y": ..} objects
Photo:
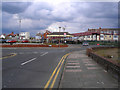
[{"x": 34, "y": 67}]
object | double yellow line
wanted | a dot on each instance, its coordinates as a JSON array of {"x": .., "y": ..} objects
[
  {"x": 55, "y": 73},
  {"x": 11, "y": 55}
]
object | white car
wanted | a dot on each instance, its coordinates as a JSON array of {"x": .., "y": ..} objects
[{"x": 85, "y": 44}]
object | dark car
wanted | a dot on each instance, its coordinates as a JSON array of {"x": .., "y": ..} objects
[
  {"x": 3, "y": 40},
  {"x": 85, "y": 44},
  {"x": 25, "y": 41}
]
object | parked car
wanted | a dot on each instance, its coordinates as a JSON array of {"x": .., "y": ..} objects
[
  {"x": 3, "y": 40},
  {"x": 25, "y": 41},
  {"x": 11, "y": 41},
  {"x": 85, "y": 44}
]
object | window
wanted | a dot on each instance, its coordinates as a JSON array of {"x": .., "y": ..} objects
[
  {"x": 115, "y": 36},
  {"x": 110, "y": 32},
  {"x": 115, "y": 32},
  {"x": 88, "y": 36},
  {"x": 102, "y": 31},
  {"x": 105, "y": 36},
  {"x": 105, "y": 31},
  {"x": 101, "y": 36}
]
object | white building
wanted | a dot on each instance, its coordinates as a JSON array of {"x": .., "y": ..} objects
[
  {"x": 101, "y": 34},
  {"x": 24, "y": 35},
  {"x": 2, "y": 36}
]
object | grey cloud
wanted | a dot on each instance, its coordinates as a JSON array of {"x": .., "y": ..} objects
[
  {"x": 81, "y": 15},
  {"x": 15, "y": 7},
  {"x": 100, "y": 10}
]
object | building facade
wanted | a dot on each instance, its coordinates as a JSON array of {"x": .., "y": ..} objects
[
  {"x": 2, "y": 36},
  {"x": 101, "y": 34},
  {"x": 24, "y": 35},
  {"x": 59, "y": 36}
]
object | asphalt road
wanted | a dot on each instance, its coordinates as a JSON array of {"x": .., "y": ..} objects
[{"x": 32, "y": 67}]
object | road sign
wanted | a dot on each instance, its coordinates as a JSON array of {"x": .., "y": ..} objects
[{"x": 64, "y": 34}]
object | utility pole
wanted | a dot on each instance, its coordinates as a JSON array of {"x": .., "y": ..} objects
[
  {"x": 64, "y": 35},
  {"x": 59, "y": 34},
  {"x": 20, "y": 20},
  {"x": 64, "y": 29}
]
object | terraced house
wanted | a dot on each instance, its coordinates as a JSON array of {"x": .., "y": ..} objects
[{"x": 101, "y": 34}]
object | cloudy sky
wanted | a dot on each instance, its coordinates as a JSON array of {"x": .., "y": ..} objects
[{"x": 74, "y": 16}]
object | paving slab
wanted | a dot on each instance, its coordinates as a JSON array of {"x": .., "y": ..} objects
[{"x": 80, "y": 71}]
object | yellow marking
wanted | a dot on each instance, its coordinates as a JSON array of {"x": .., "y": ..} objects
[
  {"x": 62, "y": 60},
  {"x": 14, "y": 54},
  {"x": 52, "y": 74},
  {"x": 57, "y": 73}
]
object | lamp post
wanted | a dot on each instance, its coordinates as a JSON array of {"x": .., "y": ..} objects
[
  {"x": 20, "y": 20},
  {"x": 59, "y": 34},
  {"x": 64, "y": 35}
]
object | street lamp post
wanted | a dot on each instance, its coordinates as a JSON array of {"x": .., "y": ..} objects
[
  {"x": 64, "y": 34},
  {"x": 20, "y": 20},
  {"x": 59, "y": 34}
]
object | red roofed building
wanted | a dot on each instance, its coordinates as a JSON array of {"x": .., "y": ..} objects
[
  {"x": 101, "y": 34},
  {"x": 12, "y": 36}
]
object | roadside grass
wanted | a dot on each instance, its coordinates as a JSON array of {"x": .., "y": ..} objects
[
  {"x": 103, "y": 43},
  {"x": 109, "y": 53}
]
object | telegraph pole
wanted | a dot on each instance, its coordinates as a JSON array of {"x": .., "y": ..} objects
[
  {"x": 20, "y": 20},
  {"x": 59, "y": 34}
]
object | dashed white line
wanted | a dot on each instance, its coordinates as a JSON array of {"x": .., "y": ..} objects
[
  {"x": 104, "y": 70},
  {"x": 102, "y": 82},
  {"x": 72, "y": 66},
  {"x": 73, "y": 70},
  {"x": 44, "y": 54},
  {"x": 28, "y": 61},
  {"x": 35, "y": 52},
  {"x": 73, "y": 63}
]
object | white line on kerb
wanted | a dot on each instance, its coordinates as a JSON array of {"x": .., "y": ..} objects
[
  {"x": 44, "y": 54},
  {"x": 28, "y": 61}
]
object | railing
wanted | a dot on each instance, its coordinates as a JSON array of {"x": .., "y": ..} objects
[{"x": 108, "y": 64}]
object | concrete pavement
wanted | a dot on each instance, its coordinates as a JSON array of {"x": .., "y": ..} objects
[{"x": 80, "y": 71}]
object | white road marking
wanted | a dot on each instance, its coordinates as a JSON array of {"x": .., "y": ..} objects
[
  {"x": 90, "y": 64},
  {"x": 44, "y": 54},
  {"x": 70, "y": 61},
  {"x": 73, "y": 70},
  {"x": 73, "y": 63},
  {"x": 98, "y": 82},
  {"x": 93, "y": 68},
  {"x": 104, "y": 70},
  {"x": 72, "y": 66},
  {"x": 35, "y": 52},
  {"x": 28, "y": 61},
  {"x": 102, "y": 82}
]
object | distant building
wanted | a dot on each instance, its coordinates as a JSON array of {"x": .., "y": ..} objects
[
  {"x": 45, "y": 37},
  {"x": 12, "y": 36},
  {"x": 24, "y": 35},
  {"x": 38, "y": 36},
  {"x": 101, "y": 34},
  {"x": 59, "y": 36},
  {"x": 2, "y": 36}
]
